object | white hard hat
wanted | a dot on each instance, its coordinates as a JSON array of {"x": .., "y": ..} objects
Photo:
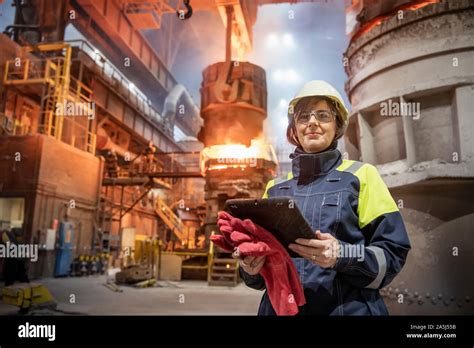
[{"x": 320, "y": 88}]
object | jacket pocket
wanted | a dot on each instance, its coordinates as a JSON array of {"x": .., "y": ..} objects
[{"x": 330, "y": 213}]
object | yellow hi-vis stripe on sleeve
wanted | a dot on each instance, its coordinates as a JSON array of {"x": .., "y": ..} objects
[{"x": 374, "y": 197}]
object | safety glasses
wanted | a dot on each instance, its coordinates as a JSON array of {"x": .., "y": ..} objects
[{"x": 322, "y": 116}]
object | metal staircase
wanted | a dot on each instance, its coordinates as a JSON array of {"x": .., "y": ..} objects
[{"x": 171, "y": 220}]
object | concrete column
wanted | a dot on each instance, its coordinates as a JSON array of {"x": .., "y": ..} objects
[
  {"x": 464, "y": 117},
  {"x": 367, "y": 150},
  {"x": 409, "y": 137}
]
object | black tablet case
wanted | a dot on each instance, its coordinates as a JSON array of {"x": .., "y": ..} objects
[{"x": 279, "y": 215}]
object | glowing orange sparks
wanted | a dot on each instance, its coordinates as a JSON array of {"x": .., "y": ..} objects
[{"x": 236, "y": 155}]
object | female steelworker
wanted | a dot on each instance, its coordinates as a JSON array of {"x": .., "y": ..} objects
[{"x": 360, "y": 242}]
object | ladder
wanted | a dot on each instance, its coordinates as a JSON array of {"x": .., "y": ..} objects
[{"x": 52, "y": 123}]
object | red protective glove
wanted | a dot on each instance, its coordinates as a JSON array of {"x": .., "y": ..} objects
[
  {"x": 229, "y": 239},
  {"x": 224, "y": 240},
  {"x": 280, "y": 275}
]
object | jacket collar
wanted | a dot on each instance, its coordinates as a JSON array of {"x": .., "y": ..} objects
[{"x": 307, "y": 166}]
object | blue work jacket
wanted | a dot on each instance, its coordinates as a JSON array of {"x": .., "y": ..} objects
[{"x": 349, "y": 200}]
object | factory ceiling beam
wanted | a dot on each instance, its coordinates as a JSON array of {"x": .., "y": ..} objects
[
  {"x": 244, "y": 15},
  {"x": 106, "y": 25},
  {"x": 243, "y": 19}
]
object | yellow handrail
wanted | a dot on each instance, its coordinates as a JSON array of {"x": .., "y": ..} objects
[
  {"x": 55, "y": 72},
  {"x": 210, "y": 257},
  {"x": 170, "y": 218}
]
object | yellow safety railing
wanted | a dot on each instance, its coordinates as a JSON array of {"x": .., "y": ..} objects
[
  {"x": 79, "y": 91},
  {"x": 55, "y": 73},
  {"x": 31, "y": 71},
  {"x": 50, "y": 125},
  {"x": 90, "y": 145},
  {"x": 209, "y": 259},
  {"x": 170, "y": 219}
]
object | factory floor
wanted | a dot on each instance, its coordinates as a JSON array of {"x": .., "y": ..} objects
[{"x": 165, "y": 298}]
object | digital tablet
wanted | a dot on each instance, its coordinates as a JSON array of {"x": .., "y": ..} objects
[{"x": 280, "y": 216}]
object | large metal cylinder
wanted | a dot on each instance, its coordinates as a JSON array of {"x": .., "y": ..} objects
[
  {"x": 236, "y": 161},
  {"x": 419, "y": 56},
  {"x": 233, "y": 103}
]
